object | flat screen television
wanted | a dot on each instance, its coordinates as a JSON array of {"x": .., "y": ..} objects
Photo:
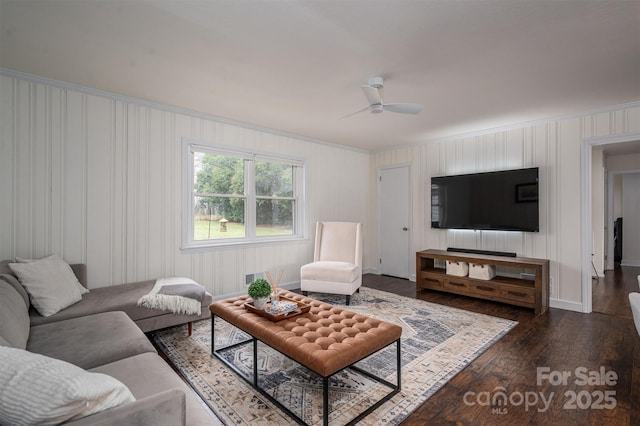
[{"x": 501, "y": 201}]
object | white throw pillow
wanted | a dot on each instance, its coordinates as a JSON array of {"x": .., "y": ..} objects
[
  {"x": 83, "y": 289},
  {"x": 35, "y": 389},
  {"x": 50, "y": 282}
]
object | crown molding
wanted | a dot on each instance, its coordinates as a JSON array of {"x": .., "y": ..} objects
[
  {"x": 517, "y": 126},
  {"x": 163, "y": 107},
  {"x": 115, "y": 96}
]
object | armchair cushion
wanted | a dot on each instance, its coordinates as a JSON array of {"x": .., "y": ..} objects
[
  {"x": 337, "y": 260},
  {"x": 330, "y": 271},
  {"x": 338, "y": 241},
  {"x": 634, "y": 301}
]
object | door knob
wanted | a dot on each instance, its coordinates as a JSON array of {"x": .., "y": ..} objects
[{"x": 405, "y": 228}]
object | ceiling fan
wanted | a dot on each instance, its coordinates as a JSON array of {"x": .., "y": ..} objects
[{"x": 376, "y": 106}]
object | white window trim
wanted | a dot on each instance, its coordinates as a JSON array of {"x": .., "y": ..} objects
[{"x": 190, "y": 245}]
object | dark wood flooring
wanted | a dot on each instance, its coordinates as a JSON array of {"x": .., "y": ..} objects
[
  {"x": 610, "y": 293},
  {"x": 561, "y": 341}
]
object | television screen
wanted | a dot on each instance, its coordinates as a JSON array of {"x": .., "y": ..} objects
[{"x": 502, "y": 201}]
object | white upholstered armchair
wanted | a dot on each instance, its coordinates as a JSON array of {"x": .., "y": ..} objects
[
  {"x": 337, "y": 260},
  {"x": 634, "y": 301}
]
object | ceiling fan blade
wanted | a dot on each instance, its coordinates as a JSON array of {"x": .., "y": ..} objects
[
  {"x": 403, "y": 108},
  {"x": 372, "y": 94},
  {"x": 354, "y": 113}
]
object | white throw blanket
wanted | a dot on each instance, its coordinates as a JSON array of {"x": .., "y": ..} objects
[{"x": 175, "y": 294}]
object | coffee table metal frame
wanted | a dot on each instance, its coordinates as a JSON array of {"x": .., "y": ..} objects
[{"x": 395, "y": 388}]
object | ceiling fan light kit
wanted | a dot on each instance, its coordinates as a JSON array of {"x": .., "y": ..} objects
[{"x": 376, "y": 106}]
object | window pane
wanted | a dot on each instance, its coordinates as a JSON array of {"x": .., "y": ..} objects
[
  {"x": 218, "y": 174},
  {"x": 239, "y": 197},
  {"x": 274, "y": 179},
  {"x": 218, "y": 217},
  {"x": 274, "y": 217}
]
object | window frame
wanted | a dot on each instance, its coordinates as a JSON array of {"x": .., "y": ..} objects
[{"x": 189, "y": 244}]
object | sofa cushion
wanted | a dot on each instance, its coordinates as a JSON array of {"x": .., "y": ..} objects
[
  {"x": 4, "y": 267},
  {"x": 123, "y": 297},
  {"x": 169, "y": 320},
  {"x": 50, "y": 282},
  {"x": 146, "y": 374},
  {"x": 164, "y": 408},
  {"x": 90, "y": 341},
  {"x": 14, "y": 317},
  {"x": 36, "y": 389},
  {"x": 179, "y": 295},
  {"x": 11, "y": 279}
]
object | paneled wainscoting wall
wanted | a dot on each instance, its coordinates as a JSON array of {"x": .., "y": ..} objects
[{"x": 97, "y": 178}]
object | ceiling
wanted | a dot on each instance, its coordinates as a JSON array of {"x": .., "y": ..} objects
[{"x": 296, "y": 66}]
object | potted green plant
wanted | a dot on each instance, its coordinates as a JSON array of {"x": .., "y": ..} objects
[{"x": 259, "y": 290}]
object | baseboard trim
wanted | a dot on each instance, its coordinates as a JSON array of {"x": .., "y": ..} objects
[
  {"x": 285, "y": 286},
  {"x": 634, "y": 263},
  {"x": 554, "y": 303},
  {"x": 566, "y": 305}
]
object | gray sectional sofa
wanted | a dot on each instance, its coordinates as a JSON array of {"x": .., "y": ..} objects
[{"x": 104, "y": 333}]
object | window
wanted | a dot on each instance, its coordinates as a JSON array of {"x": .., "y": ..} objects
[{"x": 237, "y": 197}]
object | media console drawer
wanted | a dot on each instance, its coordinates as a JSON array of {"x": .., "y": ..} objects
[
  {"x": 485, "y": 288},
  {"x": 457, "y": 284},
  {"x": 431, "y": 280},
  {"x": 526, "y": 295}
]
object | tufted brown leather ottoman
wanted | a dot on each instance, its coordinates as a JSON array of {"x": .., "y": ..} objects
[{"x": 326, "y": 340}]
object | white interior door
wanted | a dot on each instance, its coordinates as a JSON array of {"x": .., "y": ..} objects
[{"x": 394, "y": 221}]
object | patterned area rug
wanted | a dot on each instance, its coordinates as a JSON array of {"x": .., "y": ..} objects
[{"x": 437, "y": 343}]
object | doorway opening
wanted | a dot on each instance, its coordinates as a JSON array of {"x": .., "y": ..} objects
[{"x": 603, "y": 160}]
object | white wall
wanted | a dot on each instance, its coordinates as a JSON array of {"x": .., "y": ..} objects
[
  {"x": 97, "y": 178},
  {"x": 630, "y": 219},
  {"x": 552, "y": 145}
]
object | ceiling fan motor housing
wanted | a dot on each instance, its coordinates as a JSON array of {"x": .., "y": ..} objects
[{"x": 376, "y": 82}]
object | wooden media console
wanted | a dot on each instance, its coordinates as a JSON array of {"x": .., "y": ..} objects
[{"x": 530, "y": 293}]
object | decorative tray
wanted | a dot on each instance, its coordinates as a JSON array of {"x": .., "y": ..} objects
[{"x": 286, "y": 311}]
